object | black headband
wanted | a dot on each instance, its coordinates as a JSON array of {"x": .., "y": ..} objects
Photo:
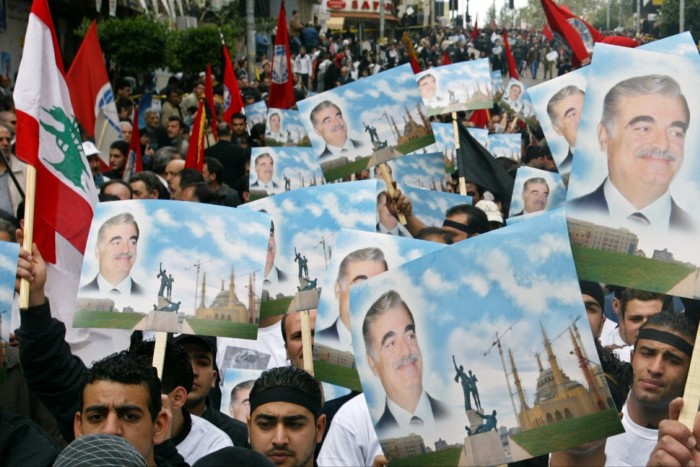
[
  {"x": 667, "y": 338},
  {"x": 459, "y": 226},
  {"x": 285, "y": 394}
]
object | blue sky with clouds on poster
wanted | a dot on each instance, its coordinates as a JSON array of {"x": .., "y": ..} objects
[
  {"x": 9, "y": 252},
  {"x": 464, "y": 294},
  {"x": 505, "y": 145},
  {"x": 366, "y": 101},
  {"x": 418, "y": 170},
  {"x": 306, "y": 218},
  {"x": 255, "y": 113},
  {"x": 180, "y": 235}
]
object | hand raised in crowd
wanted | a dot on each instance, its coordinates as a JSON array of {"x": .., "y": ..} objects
[
  {"x": 32, "y": 268},
  {"x": 676, "y": 445}
]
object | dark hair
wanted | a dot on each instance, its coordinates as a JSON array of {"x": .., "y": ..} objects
[
  {"x": 127, "y": 368},
  {"x": 238, "y": 116},
  {"x": 240, "y": 387},
  {"x": 476, "y": 218},
  {"x": 179, "y": 120},
  {"x": 288, "y": 377},
  {"x": 635, "y": 294},
  {"x": 677, "y": 323},
  {"x": 121, "y": 145},
  {"x": 177, "y": 369},
  {"x": 618, "y": 374},
  {"x": 384, "y": 303},
  {"x": 223, "y": 129},
  {"x": 426, "y": 232},
  {"x": 116, "y": 181},
  {"x": 150, "y": 180},
  {"x": 124, "y": 103},
  {"x": 215, "y": 167},
  {"x": 190, "y": 177},
  {"x": 202, "y": 191}
]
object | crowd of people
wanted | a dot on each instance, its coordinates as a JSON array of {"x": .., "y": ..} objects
[{"x": 53, "y": 400}]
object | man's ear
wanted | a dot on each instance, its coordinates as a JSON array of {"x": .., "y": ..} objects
[
  {"x": 557, "y": 129},
  {"x": 162, "y": 425},
  {"x": 337, "y": 289},
  {"x": 320, "y": 427},
  {"x": 77, "y": 425},
  {"x": 372, "y": 365},
  {"x": 178, "y": 396},
  {"x": 603, "y": 138},
  {"x": 213, "y": 380}
]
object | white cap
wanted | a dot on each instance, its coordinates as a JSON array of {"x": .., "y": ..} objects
[
  {"x": 491, "y": 209},
  {"x": 89, "y": 149}
]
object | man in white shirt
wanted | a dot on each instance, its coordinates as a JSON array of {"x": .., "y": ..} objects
[
  {"x": 636, "y": 307},
  {"x": 660, "y": 365}
]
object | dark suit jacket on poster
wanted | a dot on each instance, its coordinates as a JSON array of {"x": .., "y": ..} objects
[
  {"x": 327, "y": 154},
  {"x": 388, "y": 422},
  {"x": 596, "y": 202},
  {"x": 565, "y": 165},
  {"x": 329, "y": 333},
  {"x": 92, "y": 286},
  {"x": 256, "y": 184}
]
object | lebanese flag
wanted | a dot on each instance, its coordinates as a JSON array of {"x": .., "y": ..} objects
[
  {"x": 557, "y": 19},
  {"x": 512, "y": 69},
  {"x": 134, "y": 163},
  {"x": 195, "y": 151},
  {"x": 595, "y": 34},
  {"x": 48, "y": 138},
  {"x": 282, "y": 85},
  {"x": 233, "y": 103},
  {"x": 91, "y": 94},
  {"x": 475, "y": 32},
  {"x": 412, "y": 57},
  {"x": 209, "y": 94}
]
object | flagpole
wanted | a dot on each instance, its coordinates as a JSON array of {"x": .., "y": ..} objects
[
  {"x": 29, "y": 200},
  {"x": 103, "y": 130}
]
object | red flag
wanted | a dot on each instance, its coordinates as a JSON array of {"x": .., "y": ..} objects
[
  {"x": 91, "y": 94},
  {"x": 282, "y": 85},
  {"x": 446, "y": 58},
  {"x": 480, "y": 118},
  {"x": 415, "y": 66},
  {"x": 209, "y": 93},
  {"x": 595, "y": 34},
  {"x": 547, "y": 32},
  {"x": 557, "y": 20},
  {"x": 195, "y": 151},
  {"x": 134, "y": 162},
  {"x": 233, "y": 103},
  {"x": 512, "y": 69},
  {"x": 621, "y": 41},
  {"x": 475, "y": 32},
  {"x": 48, "y": 138}
]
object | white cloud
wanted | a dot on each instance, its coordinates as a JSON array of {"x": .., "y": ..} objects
[
  {"x": 478, "y": 284},
  {"x": 436, "y": 283},
  {"x": 547, "y": 245}
]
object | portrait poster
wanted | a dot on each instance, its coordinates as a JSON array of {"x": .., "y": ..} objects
[
  {"x": 516, "y": 102},
  {"x": 635, "y": 185},
  {"x": 558, "y": 104},
  {"x": 367, "y": 122},
  {"x": 284, "y": 128},
  {"x": 9, "y": 252},
  {"x": 235, "y": 392},
  {"x": 445, "y": 142},
  {"x": 545, "y": 191},
  {"x": 362, "y": 255},
  {"x": 280, "y": 169},
  {"x": 305, "y": 224},
  {"x": 506, "y": 145},
  {"x": 467, "y": 339},
  {"x": 426, "y": 171},
  {"x": 255, "y": 113},
  {"x": 456, "y": 87},
  {"x": 155, "y": 265}
]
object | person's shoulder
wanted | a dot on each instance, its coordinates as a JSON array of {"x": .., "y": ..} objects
[
  {"x": 680, "y": 219},
  {"x": 439, "y": 408},
  {"x": 594, "y": 200},
  {"x": 205, "y": 431},
  {"x": 235, "y": 429}
]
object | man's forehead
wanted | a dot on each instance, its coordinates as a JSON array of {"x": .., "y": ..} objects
[
  {"x": 281, "y": 409},
  {"x": 113, "y": 393}
]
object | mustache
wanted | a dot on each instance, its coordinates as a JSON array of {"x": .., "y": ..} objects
[
  {"x": 407, "y": 360},
  {"x": 656, "y": 154},
  {"x": 278, "y": 451},
  {"x": 122, "y": 256}
]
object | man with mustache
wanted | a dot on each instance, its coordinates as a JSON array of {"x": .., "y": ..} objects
[
  {"x": 328, "y": 122},
  {"x": 642, "y": 132},
  {"x": 394, "y": 356},
  {"x": 535, "y": 195},
  {"x": 116, "y": 247}
]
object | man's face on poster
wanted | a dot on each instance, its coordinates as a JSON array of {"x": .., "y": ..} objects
[
  {"x": 535, "y": 197},
  {"x": 357, "y": 271},
  {"x": 116, "y": 251},
  {"x": 514, "y": 92},
  {"x": 330, "y": 125},
  {"x": 427, "y": 86},
  {"x": 395, "y": 356},
  {"x": 645, "y": 144},
  {"x": 274, "y": 123},
  {"x": 264, "y": 168},
  {"x": 567, "y": 113}
]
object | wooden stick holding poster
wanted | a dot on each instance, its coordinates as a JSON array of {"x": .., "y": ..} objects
[
  {"x": 29, "y": 201},
  {"x": 159, "y": 352},
  {"x": 306, "y": 342},
  {"x": 455, "y": 127},
  {"x": 691, "y": 394}
]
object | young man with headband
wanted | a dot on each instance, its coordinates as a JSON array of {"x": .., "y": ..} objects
[{"x": 660, "y": 364}]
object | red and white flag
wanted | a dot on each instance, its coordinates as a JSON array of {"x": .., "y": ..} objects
[
  {"x": 512, "y": 68},
  {"x": 282, "y": 83},
  {"x": 48, "y": 138},
  {"x": 557, "y": 19},
  {"x": 92, "y": 96},
  {"x": 209, "y": 93},
  {"x": 134, "y": 163},
  {"x": 233, "y": 103}
]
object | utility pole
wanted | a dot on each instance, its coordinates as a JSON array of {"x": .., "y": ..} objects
[
  {"x": 681, "y": 17},
  {"x": 250, "y": 35}
]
